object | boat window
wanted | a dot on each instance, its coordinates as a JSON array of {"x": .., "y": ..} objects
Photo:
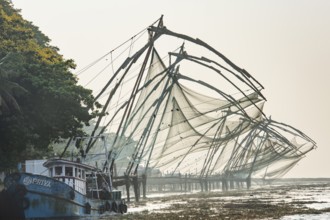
[
  {"x": 75, "y": 172},
  {"x": 83, "y": 174},
  {"x": 51, "y": 171},
  {"x": 79, "y": 173},
  {"x": 68, "y": 171},
  {"x": 58, "y": 171}
]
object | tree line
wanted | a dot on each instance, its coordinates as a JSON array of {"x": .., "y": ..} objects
[{"x": 40, "y": 99}]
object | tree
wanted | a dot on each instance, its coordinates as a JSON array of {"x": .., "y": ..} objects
[
  {"x": 44, "y": 101},
  {"x": 8, "y": 91}
]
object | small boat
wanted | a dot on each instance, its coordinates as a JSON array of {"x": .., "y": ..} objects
[{"x": 72, "y": 190}]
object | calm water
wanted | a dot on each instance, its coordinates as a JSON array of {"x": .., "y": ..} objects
[
  {"x": 318, "y": 193},
  {"x": 325, "y": 216}
]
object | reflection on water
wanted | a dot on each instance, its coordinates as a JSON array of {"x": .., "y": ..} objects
[
  {"x": 149, "y": 207},
  {"x": 317, "y": 197},
  {"x": 324, "y": 216}
]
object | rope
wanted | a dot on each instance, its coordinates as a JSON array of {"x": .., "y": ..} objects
[{"x": 97, "y": 60}]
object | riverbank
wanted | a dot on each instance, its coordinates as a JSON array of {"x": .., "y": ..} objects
[{"x": 270, "y": 202}]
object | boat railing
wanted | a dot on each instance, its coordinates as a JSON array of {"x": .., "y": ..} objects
[
  {"x": 76, "y": 183},
  {"x": 80, "y": 188}
]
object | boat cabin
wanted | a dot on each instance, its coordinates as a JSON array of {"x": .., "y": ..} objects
[{"x": 70, "y": 172}]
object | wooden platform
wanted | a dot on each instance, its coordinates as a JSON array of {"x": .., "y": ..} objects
[{"x": 178, "y": 183}]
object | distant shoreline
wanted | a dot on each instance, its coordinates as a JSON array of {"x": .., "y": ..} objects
[{"x": 293, "y": 180}]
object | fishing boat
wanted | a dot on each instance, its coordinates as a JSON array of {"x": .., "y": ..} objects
[{"x": 71, "y": 190}]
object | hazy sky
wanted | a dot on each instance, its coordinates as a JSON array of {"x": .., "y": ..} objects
[{"x": 285, "y": 44}]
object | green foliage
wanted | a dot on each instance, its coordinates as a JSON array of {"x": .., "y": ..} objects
[{"x": 40, "y": 101}]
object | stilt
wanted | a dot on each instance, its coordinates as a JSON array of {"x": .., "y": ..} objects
[
  {"x": 136, "y": 188},
  {"x": 201, "y": 184},
  {"x": 248, "y": 182},
  {"x": 127, "y": 184},
  {"x": 206, "y": 185},
  {"x": 144, "y": 185},
  {"x": 231, "y": 182},
  {"x": 185, "y": 183}
]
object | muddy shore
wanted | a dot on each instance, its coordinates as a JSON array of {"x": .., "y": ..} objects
[{"x": 271, "y": 202}]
